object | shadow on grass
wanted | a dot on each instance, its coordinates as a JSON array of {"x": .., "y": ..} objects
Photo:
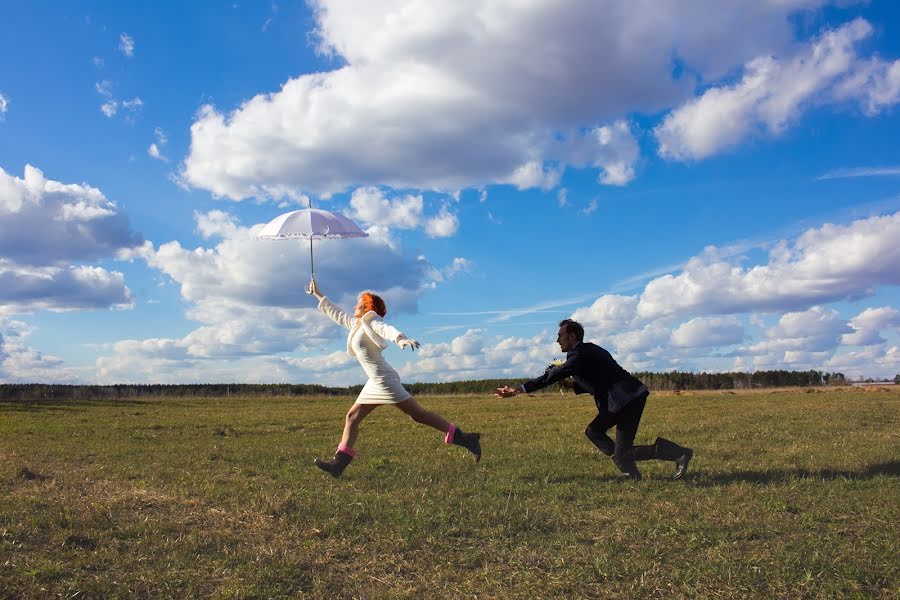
[{"x": 889, "y": 469}]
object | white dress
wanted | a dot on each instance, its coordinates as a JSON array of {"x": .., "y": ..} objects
[{"x": 367, "y": 338}]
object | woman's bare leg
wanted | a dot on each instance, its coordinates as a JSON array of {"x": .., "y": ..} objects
[
  {"x": 354, "y": 417},
  {"x": 419, "y": 414}
]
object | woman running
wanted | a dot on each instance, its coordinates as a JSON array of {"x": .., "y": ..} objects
[{"x": 369, "y": 335}]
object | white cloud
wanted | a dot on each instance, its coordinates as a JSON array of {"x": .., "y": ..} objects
[
  {"x": 861, "y": 172},
  {"x": 126, "y": 45},
  {"x": 109, "y": 108},
  {"x": 875, "y": 84},
  {"x": 448, "y": 95},
  {"x": 826, "y": 264},
  {"x": 457, "y": 266},
  {"x": 26, "y": 289},
  {"x": 4, "y": 106},
  {"x": 708, "y": 332},
  {"x": 869, "y": 361},
  {"x": 104, "y": 88},
  {"x": 133, "y": 105},
  {"x": 153, "y": 151},
  {"x": 98, "y": 62},
  {"x": 615, "y": 153},
  {"x": 445, "y": 224},
  {"x": 216, "y": 223},
  {"x": 271, "y": 273},
  {"x": 774, "y": 91},
  {"x": 608, "y": 314},
  {"x": 636, "y": 340},
  {"x": 21, "y": 363},
  {"x": 687, "y": 320},
  {"x": 370, "y": 206},
  {"x": 470, "y": 356},
  {"x": 870, "y": 324},
  {"x": 46, "y": 227},
  {"x": 468, "y": 343},
  {"x": 45, "y": 222},
  {"x": 817, "y": 329},
  {"x": 590, "y": 208}
]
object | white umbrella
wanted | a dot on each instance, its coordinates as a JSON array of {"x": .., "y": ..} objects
[{"x": 310, "y": 224}]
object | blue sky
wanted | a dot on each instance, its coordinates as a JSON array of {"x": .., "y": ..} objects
[{"x": 705, "y": 188}]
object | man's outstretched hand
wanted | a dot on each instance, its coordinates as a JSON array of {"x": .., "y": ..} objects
[{"x": 505, "y": 392}]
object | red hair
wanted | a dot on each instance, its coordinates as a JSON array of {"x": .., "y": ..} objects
[{"x": 373, "y": 302}]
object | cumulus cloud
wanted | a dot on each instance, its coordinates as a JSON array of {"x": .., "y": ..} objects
[
  {"x": 370, "y": 206},
  {"x": 104, "y": 88},
  {"x": 866, "y": 361},
  {"x": 46, "y": 222},
  {"x": 870, "y": 324},
  {"x": 817, "y": 329},
  {"x": 109, "y": 108},
  {"x": 46, "y": 229},
  {"x": 449, "y": 95},
  {"x": 445, "y": 224},
  {"x": 614, "y": 152},
  {"x": 774, "y": 91},
  {"x": 713, "y": 312},
  {"x": 271, "y": 273},
  {"x": 111, "y": 105},
  {"x": 4, "y": 106},
  {"x": 25, "y": 289},
  {"x": 707, "y": 332},
  {"x": 133, "y": 104},
  {"x": 154, "y": 152},
  {"x": 126, "y": 45},
  {"x": 472, "y": 356},
  {"x": 609, "y": 313},
  {"x": 875, "y": 84},
  {"x": 21, "y": 363},
  {"x": 155, "y": 149},
  {"x": 826, "y": 264}
]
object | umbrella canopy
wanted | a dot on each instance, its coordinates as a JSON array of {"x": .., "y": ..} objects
[{"x": 310, "y": 224}]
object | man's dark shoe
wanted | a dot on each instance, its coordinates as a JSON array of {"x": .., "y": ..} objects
[
  {"x": 667, "y": 450},
  {"x": 335, "y": 467},
  {"x": 625, "y": 477},
  {"x": 681, "y": 463},
  {"x": 469, "y": 441}
]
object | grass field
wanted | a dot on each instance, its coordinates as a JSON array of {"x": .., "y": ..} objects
[{"x": 791, "y": 494}]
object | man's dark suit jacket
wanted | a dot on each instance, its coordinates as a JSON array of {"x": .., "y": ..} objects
[{"x": 595, "y": 372}]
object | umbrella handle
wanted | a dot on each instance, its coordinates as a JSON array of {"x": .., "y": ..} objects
[{"x": 312, "y": 268}]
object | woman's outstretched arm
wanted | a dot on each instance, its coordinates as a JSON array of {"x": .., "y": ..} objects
[
  {"x": 389, "y": 332},
  {"x": 331, "y": 311}
]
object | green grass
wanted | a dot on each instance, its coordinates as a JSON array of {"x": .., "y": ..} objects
[{"x": 790, "y": 495}]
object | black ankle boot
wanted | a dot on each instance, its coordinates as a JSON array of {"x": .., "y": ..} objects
[
  {"x": 469, "y": 441},
  {"x": 336, "y": 465},
  {"x": 667, "y": 450}
]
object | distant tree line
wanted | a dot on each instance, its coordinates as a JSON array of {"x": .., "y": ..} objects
[
  {"x": 669, "y": 381},
  {"x": 677, "y": 380}
]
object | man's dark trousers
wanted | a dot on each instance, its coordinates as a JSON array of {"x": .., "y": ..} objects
[{"x": 626, "y": 422}]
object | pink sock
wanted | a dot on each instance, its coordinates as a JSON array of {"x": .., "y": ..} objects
[
  {"x": 342, "y": 447},
  {"x": 448, "y": 439}
]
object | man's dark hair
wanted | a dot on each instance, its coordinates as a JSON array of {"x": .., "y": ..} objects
[{"x": 573, "y": 327}]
